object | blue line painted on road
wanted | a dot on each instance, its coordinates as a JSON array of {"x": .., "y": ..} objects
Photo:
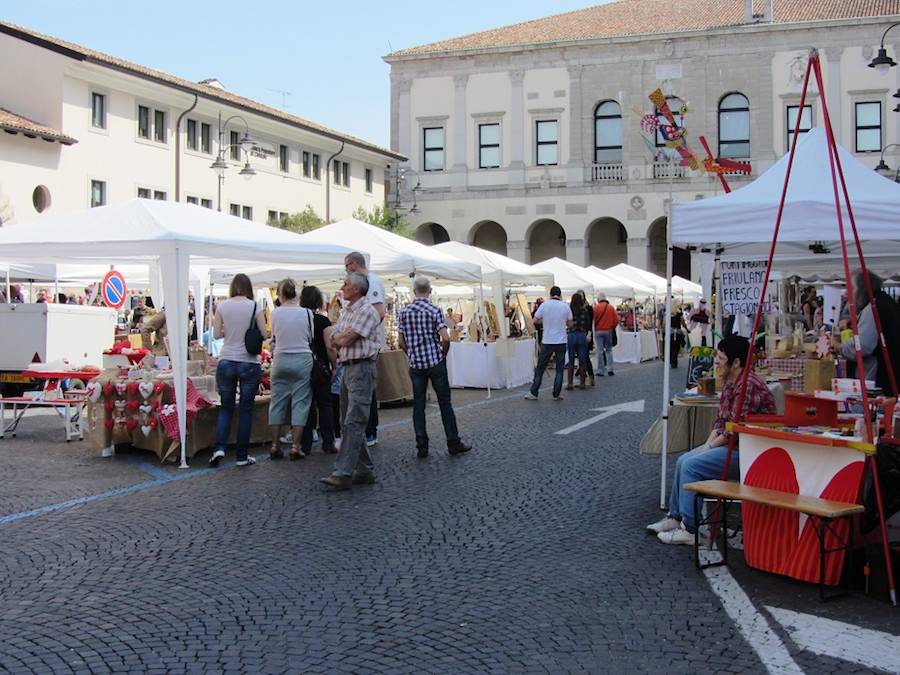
[{"x": 154, "y": 470}]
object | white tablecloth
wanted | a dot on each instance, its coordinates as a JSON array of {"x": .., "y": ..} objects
[
  {"x": 476, "y": 364},
  {"x": 635, "y": 347}
]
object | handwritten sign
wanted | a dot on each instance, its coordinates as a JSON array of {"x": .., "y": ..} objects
[{"x": 741, "y": 286}]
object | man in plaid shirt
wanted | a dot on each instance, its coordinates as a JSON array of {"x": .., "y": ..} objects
[
  {"x": 356, "y": 339},
  {"x": 425, "y": 339},
  {"x": 708, "y": 461}
]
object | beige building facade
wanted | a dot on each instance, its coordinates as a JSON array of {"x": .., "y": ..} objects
[
  {"x": 84, "y": 128},
  {"x": 535, "y": 149}
]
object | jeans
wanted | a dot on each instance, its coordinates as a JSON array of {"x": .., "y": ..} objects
[
  {"x": 441, "y": 383},
  {"x": 321, "y": 403},
  {"x": 578, "y": 346},
  {"x": 229, "y": 376},
  {"x": 603, "y": 345},
  {"x": 356, "y": 398},
  {"x": 559, "y": 351},
  {"x": 701, "y": 463}
]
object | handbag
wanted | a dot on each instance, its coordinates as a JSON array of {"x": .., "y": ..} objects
[
  {"x": 321, "y": 373},
  {"x": 253, "y": 338}
]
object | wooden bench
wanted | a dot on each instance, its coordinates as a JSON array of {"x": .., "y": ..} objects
[
  {"x": 821, "y": 512},
  {"x": 70, "y": 409}
]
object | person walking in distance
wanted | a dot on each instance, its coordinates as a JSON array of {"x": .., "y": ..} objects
[
  {"x": 577, "y": 339},
  {"x": 356, "y": 340},
  {"x": 356, "y": 262},
  {"x": 426, "y": 340},
  {"x": 605, "y": 322},
  {"x": 555, "y": 317}
]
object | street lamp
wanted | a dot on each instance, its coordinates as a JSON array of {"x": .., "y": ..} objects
[
  {"x": 882, "y": 63},
  {"x": 245, "y": 144},
  {"x": 883, "y": 169}
]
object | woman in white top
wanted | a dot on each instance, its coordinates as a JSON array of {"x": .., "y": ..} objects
[
  {"x": 237, "y": 367},
  {"x": 291, "y": 369}
]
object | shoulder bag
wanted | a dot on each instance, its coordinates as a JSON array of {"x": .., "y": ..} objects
[
  {"x": 253, "y": 338},
  {"x": 321, "y": 373}
]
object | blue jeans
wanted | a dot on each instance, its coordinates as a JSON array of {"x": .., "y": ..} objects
[
  {"x": 229, "y": 376},
  {"x": 543, "y": 359},
  {"x": 441, "y": 383},
  {"x": 701, "y": 463},
  {"x": 578, "y": 347},
  {"x": 603, "y": 341}
]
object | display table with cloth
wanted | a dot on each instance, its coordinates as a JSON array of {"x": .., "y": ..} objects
[
  {"x": 495, "y": 365},
  {"x": 392, "y": 377},
  {"x": 791, "y": 367},
  {"x": 635, "y": 347}
]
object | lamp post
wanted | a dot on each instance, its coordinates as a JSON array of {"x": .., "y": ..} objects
[
  {"x": 399, "y": 179},
  {"x": 883, "y": 169},
  {"x": 882, "y": 63},
  {"x": 245, "y": 144}
]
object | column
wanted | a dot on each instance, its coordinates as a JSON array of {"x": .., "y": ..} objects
[
  {"x": 577, "y": 252},
  {"x": 575, "y": 166},
  {"x": 404, "y": 87},
  {"x": 517, "y": 128},
  {"x": 638, "y": 252},
  {"x": 835, "y": 91},
  {"x": 459, "y": 170},
  {"x": 518, "y": 249}
]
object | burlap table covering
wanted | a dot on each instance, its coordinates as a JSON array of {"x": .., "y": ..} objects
[{"x": 393, "y": 383}]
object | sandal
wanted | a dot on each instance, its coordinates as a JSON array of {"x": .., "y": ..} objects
[
  {"x": 275, "y": 452},
  {"x": 296, "y": 453}
]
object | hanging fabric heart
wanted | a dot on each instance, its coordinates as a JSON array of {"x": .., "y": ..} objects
[
  {"x": 155, "y": 404},
  {"x": 108, "y": 389},
  {"x": 131, "y": 424},
  {"x": 153, "y": 422},
  {"x": 146, "y": 429},
  {"x": 109, "y": 423},
  {"x": 93, "y": 391},
  {"x": 120, "y": 405},
  {"x": 146, "y": 388},
  {"x": 132, "y": 388},
  {"x": 159, "y": 388},
  {"x": 120, "y": 421},
  {"x": 121, "y": 388},
  {"x": 109, "y": 404},
  {"x": 132, "y": 405},
  {"x": 145, "y": 408}
]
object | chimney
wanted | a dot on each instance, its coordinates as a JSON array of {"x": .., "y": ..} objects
[
  {"x": 754, "y": 17},
  {"x": 213, "y": 82}
]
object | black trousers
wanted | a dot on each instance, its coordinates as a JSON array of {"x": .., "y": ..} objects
[{"x": 319, "y": 413}]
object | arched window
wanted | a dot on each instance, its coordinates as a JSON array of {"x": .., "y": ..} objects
[
  {"x": 608, "y": 133},
  {"x": 734, "y": 126}
]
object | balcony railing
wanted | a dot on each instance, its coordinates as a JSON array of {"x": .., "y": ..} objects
[
  {"x": 607, "y": 173},
  {"x": 668, "y": 170}
]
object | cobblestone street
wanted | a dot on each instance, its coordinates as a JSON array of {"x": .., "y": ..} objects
[{"x": 526, "y": 555}]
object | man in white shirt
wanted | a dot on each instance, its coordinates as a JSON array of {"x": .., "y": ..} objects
[
  {"x": 555, "y": 316},
  {"x": 356, "y": 262}
]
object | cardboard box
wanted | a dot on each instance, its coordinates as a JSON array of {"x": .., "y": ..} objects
[{"x": 817, "y": 375}]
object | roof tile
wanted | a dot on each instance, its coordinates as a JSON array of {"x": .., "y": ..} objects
[{"x": 10, "y": 121}]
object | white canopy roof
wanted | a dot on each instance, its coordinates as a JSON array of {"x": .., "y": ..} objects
[
  {"x": 513, "y": 271},
  {"x": 570, "y": 278},
  {"x": 749, "y": 213},
  {"x": 613, "y": 277},
  {"x": 686, "y": 288},
  {"x": 636, "y": 274}
]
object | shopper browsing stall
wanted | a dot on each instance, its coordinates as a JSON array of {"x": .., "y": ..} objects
[
  {"x": 606, "y": 320},
  {"x": 324, "y": 361}
]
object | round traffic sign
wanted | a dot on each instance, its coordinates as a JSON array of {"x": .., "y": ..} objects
[{"x": 112, "y": 289}]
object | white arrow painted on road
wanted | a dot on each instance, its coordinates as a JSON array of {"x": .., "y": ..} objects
[
  {"x": 608, "y": 411},
  {"x": 827, "y": 637}
]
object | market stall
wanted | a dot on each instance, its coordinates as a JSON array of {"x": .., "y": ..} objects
[{"x": 635, "y": 346}]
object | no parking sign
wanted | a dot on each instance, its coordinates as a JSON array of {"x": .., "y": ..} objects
[{"x": 112, "y": 289}]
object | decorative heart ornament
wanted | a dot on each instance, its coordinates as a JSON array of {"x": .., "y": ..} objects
[
  {"x": 109, "y": 423},
  {"x": 93, "y": 391},
  {"x": 109, "y": 404},
  {"x": 146, "y": 429},
  {"x": 146, "y": 388},
  {"x": 145, "y": 408},
  {"x": 132, "y": 405},
  {"x": 159, "y": 387},
  {"x": 108, "y": 389},
  {"x": 120, "y": 421},
  {"x": 121, "y": 388},
  {"x": 132, "y": 388},
  {"x": 132, "y": 424},
  {"x": 120, "y": 405}
]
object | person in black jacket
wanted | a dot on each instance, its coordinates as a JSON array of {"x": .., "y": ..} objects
[{"x": 311, "y": 298}]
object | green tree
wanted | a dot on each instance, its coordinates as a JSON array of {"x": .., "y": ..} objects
[
  {"x": 304, "y": 221},
  {"x": 385, "y": 218}
]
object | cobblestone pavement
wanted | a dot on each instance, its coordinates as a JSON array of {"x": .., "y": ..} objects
[{"x": 526, "y": 555}]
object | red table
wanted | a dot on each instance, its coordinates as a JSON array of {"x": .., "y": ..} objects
[{"x": 69, "y": 404}]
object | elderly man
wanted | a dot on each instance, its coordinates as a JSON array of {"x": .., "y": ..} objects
[
  {"x": 356, "y": 262},
  {"x": 356, "y": 340},
  {"x": 425, "y": 339}
]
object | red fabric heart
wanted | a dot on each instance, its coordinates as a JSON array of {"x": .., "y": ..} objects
[
  {"x": 109, "y": 404},
  {"x": 108, "y": 389},
  {"x": 132, "y": 388},
  {"x": 159, "y": 388},
  {"x": 132, "y": 424},
  {"x": 152, "y": 422},
  {"x": 109, "y": 423},
  {"x": 133, "y": 405}
]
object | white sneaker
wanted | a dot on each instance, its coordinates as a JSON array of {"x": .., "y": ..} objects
[
  {"x": 246, "y": 462},
  {"x": 337, "y": 444},
  {"x": 315, "y": 436},
  {"x": 530, "y": 397},
  {"x": 667, "y": 524},
  {"x": 679, "y": 536},
  {"x": 217, "y": 457},
  {"x": 287, "y": 439}
]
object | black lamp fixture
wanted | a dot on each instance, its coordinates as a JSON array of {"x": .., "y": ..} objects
[
  {"x": 883, "y": 169},
  {"x": 882, "y": 63},
  {"x": 819, "y": 247},
  {"x": 245, "y": 144}
]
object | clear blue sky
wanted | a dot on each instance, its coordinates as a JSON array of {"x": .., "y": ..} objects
[{"x": 327, "y": 54}]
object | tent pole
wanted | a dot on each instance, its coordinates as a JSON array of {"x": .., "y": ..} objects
[{"x": 667, "y": 348}]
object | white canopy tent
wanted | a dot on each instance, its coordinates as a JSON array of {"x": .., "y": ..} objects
[
  {"x": 608, "y": 277},
  {"x": 570, "y": 278},
  {"x": 643, "y": 277},
  {"x": 168, "y": 236},
  {"x": 687, "y": 289},
  {"x": 744, "y": 221}
]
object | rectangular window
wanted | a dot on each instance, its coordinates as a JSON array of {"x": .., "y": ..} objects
[
  {"x": 234, "y": 145},
  {"x": 433, "y": 149},
  {"x": 247, "y": 212},
  {"x": 206, "y": 203},
  {"x": 192, "y": 134},
  {"x": 489, "y": 146},
  {"x": 193, "y": 200},
  {"x": 868, "y": 126},
  {"x": 160, "y": 195},
  {"x": 273, "y": 218},
  {"x": 305, "y": 164},
  {"x": 805, "y": 122},
  {"x": 234, "y": 209},
  {"x": 144, "y": 122},
  {"x": 159, "y": 126},
  {"x": 98, "y": 110},
  {"x": 143, "y": 193},
  {"x": 547, "y": 149},
  {"x": 337, "y": 172},
  {"x": 206, "y": 138},
  {"x": 283, "y": 161},
  {"x": 369, "y": 181},
  {"x": 317, "y": 173},
  {"x": 345, "y": 171},
  {"x": 98, "y": 193}
]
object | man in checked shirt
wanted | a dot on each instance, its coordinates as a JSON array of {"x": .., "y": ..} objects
[
  {"x": 425, "y": 339},
  {"x": 356, "y": 338}
]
